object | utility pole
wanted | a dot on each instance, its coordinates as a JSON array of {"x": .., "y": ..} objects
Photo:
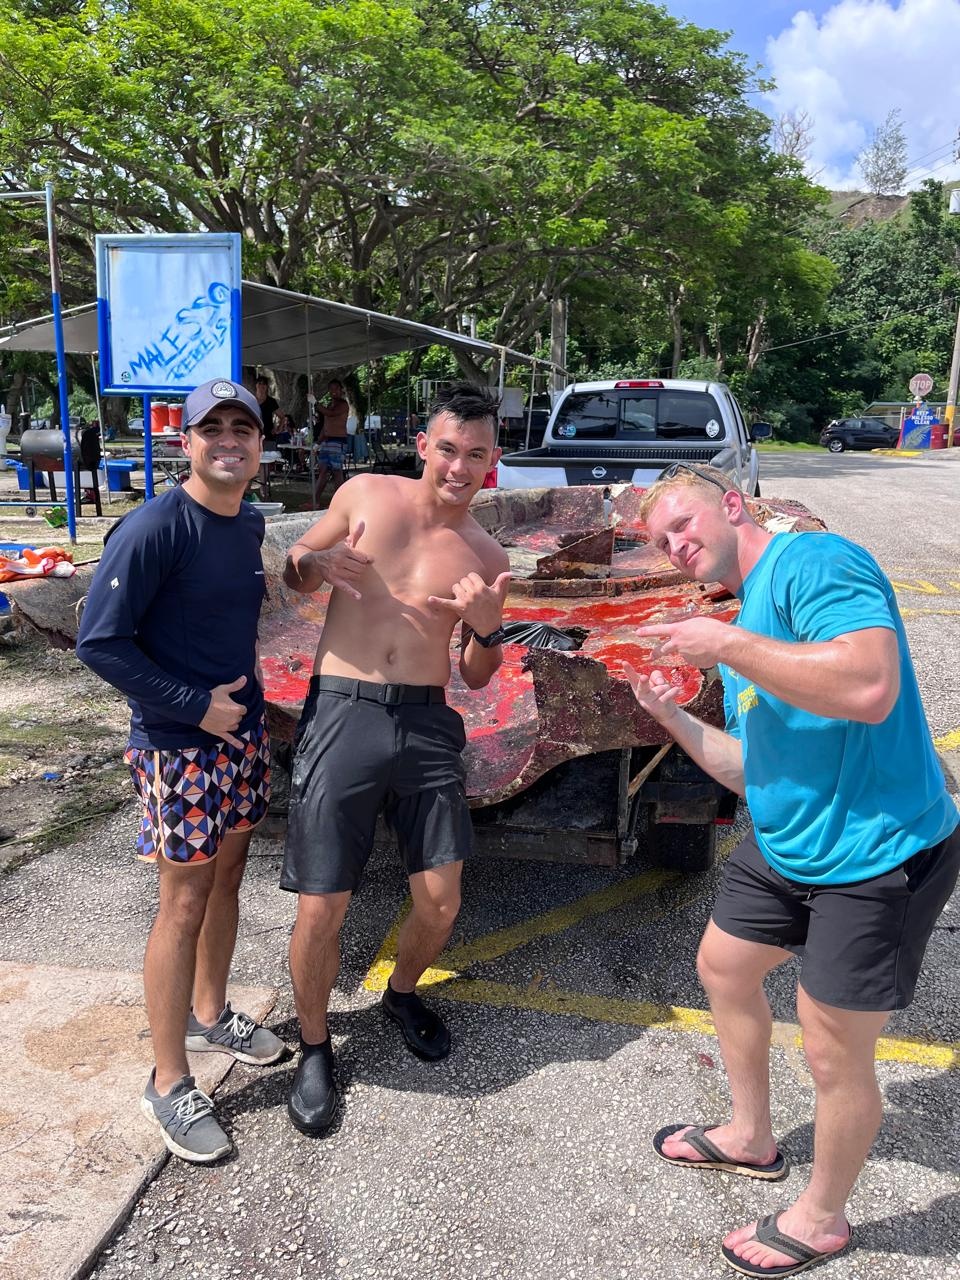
[
  {"x": 950, "y": 410},
  {"x": 558, "y": 342},
  {"x": 46, "y": 195}
]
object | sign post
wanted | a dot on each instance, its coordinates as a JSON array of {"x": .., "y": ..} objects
[{"x": 169, "y": 317}]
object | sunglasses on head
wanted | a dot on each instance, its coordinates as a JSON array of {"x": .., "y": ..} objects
[{"x": 676, "y": 467}]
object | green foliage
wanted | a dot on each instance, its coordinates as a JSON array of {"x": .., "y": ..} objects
[{"x": 441, "y": 158}]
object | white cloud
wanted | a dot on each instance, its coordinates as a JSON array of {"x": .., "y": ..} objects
[{"x": 860, "y": 60}]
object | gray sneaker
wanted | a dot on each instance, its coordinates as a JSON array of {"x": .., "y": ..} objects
[
  {"x": 236, "y": 1034},
  {"x": 186, "y": 1120}
]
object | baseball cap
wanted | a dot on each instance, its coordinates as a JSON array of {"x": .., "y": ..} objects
[{"x": 211, "y": 395}]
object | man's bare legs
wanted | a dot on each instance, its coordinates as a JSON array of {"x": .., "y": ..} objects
[
  {"x": 839, "y": 1045},
  {"x": 170, "y": 961},
  {"x": 315, "y": 958},
  {"x": 218, "y": 936},
  {"x": 426, "y": 930},
  {"x": 322, "y": 476},
  {"x": 315, "y": 944},
  {"x": 190, "y": 950},
  {"x": 732, "y": 972}
]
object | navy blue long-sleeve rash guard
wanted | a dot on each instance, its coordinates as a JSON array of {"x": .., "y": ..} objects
[{"x": 172, "y": 612}]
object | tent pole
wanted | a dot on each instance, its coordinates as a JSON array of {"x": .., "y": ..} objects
[
  {"x": 100, "y": 426},
  {"x": 310, "y": 413}
]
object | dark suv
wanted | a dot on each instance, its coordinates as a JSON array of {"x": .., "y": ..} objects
[{"x": 859, "y": 433}]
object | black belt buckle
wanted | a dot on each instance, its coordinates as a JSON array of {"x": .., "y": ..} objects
[{"x": 391, "y": 695}]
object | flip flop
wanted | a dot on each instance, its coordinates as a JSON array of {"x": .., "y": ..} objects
[
  {"x": 767, "y": 1233},
  {"x": 714, "y": 1158}
]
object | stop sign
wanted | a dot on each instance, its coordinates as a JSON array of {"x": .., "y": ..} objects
[{"x": 921, "y": 384}]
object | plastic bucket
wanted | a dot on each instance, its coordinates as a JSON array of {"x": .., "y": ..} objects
[
  {"x": 159, "y": 416},
  {"x": 176, "y": 416}
]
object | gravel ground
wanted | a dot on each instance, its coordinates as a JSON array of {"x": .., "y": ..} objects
[{"x": 527, "y": 1153}]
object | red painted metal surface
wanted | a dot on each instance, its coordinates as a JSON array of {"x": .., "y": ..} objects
[{"x": 578, "y": 561}]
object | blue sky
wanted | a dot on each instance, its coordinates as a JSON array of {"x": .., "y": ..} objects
[
  {"x": 750, "y": 23},
  {"x": 846, "y": 64}
]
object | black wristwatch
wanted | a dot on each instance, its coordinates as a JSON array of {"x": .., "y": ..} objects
[{"x": 494, "y": 638}]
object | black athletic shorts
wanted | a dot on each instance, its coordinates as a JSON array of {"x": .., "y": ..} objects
[
  {"x": 362, "y": 747},
  {"x": 861, "y": 945}
]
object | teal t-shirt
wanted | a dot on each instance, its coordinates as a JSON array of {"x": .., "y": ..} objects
[{"x": 832, "y": 801}]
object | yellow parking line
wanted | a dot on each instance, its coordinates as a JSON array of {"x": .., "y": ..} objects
[
  {"x": 494, "y": 945},
  {"x": 949, "y": 741},
  {"x": 941, "y": 1055},
  {"x": 446, "y": 976},
  {"x": 929, "y": 613}
]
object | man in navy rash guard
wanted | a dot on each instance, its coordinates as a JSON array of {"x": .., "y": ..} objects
[{"x": 171, "y": 621}]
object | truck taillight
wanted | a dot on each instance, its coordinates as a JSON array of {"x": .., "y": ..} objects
[
  {"x": 639, "y": 382},
  {"x": 490, "y": 480}
]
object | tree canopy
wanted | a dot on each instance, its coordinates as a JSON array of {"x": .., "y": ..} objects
[{"x": 431, "y": 158}]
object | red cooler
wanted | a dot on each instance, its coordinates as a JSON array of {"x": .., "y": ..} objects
[
  {"x": 176, "y": 416},
  {"x": 159, "y": 416},
  {"x": 938, "y": 435}
]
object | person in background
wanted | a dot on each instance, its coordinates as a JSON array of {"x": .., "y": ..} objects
[
  {"x": 171, "y": 621},
  {"x": 332, "y": 439},
  {"x": 284, "y": 431},
  {"x": 268, "y": 405}
]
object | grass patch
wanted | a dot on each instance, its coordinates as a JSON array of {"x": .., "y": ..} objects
[
  {"x": 90, "y": 800},
  {"x": 788, "y": 446}
]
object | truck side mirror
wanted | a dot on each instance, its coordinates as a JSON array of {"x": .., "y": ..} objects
[{"x": 760, "y": 431}]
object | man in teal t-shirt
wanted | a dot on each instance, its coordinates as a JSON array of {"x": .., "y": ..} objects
[{"x": 855, "y": 848}]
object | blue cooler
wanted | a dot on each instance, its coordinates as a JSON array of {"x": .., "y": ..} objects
[
  {"x": 23, "y": 478},
  {"x": 119, "y": 471}
]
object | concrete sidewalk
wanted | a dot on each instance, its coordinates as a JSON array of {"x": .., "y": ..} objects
[{"x": 75, "y": 1152}]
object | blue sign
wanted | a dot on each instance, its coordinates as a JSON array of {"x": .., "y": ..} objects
[
  {"x": 916, "y": 428},
  {"x": 169, "y": 312}
]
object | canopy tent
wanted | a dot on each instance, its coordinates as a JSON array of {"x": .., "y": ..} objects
[{"x": 283, "y": 330}]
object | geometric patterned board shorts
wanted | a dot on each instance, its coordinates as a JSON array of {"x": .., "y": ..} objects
[{"x": 193, "y": 797}]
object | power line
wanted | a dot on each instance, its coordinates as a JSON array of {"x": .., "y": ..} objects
[{"x": 863, "y": 324}]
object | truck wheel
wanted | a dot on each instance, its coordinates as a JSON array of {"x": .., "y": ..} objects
[
  {"x": 836, "y": 445},
  {"x": 684, "y": 846}
]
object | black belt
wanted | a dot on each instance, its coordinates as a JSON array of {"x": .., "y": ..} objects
[{"x": 391, "y": 695}]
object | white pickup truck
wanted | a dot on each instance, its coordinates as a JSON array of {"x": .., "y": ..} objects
[{"x": 628, "y": 430}]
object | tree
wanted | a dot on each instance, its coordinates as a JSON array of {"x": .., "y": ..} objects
[
  {"x": 429, "y": 158},
  {"x": 792, "y": 135},
  {"x": 884, "y": 162}
]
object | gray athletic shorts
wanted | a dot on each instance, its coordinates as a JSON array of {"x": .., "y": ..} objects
[
  {"x": 861, "y": 945},
  {"x": 362, "y": 747}
]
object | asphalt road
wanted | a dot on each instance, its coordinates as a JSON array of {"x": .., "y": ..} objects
[{"x": 579, "y": 1031}]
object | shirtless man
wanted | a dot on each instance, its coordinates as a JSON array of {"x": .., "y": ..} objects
[
  {"x": 406, "y": 562},
  {"x": 332, "y": 441}
]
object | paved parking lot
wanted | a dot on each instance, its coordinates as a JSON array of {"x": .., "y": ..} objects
[{"x": 580, "y": 1030}]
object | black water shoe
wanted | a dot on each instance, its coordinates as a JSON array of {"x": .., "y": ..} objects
[
  {"x": 424, "y": 1033},
  {"x": 312, "y": 1102}
]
